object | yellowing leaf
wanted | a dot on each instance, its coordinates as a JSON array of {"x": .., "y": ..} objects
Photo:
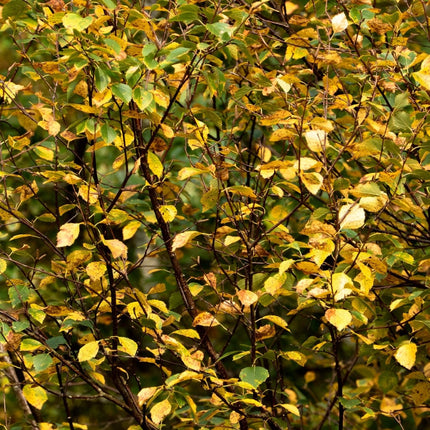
[
  {"x": 205, "y": 319},
  {"x": 291, "y": 408},
  {"x": 68, "y": 234},
  {"x": 168, "y": 212},
  {"x": 273, "y": 284},
  {"x": 160, "y": 410},
  {"x": 276, "y": 320},
  {"x": 246, "y": 297},
  {"x": 351, "y": 216},
  {"x": 45, "y": 153},
  {"x": 130, "y": 229},
  {"x": 96, "y": 269},
  {"x": 145, "y": 394},
  {"x": 54, "y": 127},
  {"x": 116, "y": 247},
  {"x": 297, "y": 356},
  {"x": 406, "y": 355},
  {"x": 36, "y": 396},
  {"x": 3, "y": 266},
  {"x": 8, "y": 91},
  {"x": 312, "y": 181},
  {"x": 187, "y": 332},
  {"x": 155, "y": 165},
  {"x": 88, "y": 351},
  {"x": 339, "y": 22},
  {"x": 340, "y": 282},
  {"x": 316, "y": 140},
  {"x": 187, "y": 172},
  {"x": 182, "y": 239},
  {"x": 127, "y": 345},
  {"x": 340, "y": 318}
]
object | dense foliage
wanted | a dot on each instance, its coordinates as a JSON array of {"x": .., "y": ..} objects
[{"x": 215, "y": 214}]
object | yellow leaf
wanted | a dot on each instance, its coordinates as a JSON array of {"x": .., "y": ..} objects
[
  {"x": 182, "y": 239},
  {"x": 406, "y": 355},
  {"x": 145, "y": 394},
  {"x": 54, "y": 127},
  {"x": 88, "y": 351},
  {"x": 155, "y": 165},
  {"x": 340, "y": 318},
  {"x": 246, "y": 297},
  {"x": 316, "y": 140},
  {"x": 36, "y": 396},
  {"x": 45, "y": 153},
  {"x": 89, "y": 194},
  {"x": 68, "y": 234},
  {"x": 95, "y": 270},
  {"x": 187, "y": 332},
  {"x": 291, "y": 408},
  {"x": 130, "y": 229},
  {"x": 127, "y": 345},
  {"x": 351, "y": 216},
  {"x": 276, "y": 320},
  {"x": 3, "y": 266},
  {"x": 187, "y": 172},
  {"x": 312, "y": 181},
  {"x": 160, "y": 410},
  {"x": 297, "y": 356},
  {"x": 339, "y": 22},
  {"x": 273, "y": 284},
  {"x": 340, "y": 282},
  {"x": 116, "y": 247},
  {"x": 205, "y": 319},
  {"x": 167, "y": 131},
  {"x": 168, "y": 212}
]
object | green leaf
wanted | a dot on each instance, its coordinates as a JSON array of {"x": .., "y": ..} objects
[
  {"x": 41, "y": 362},
  {"x": 254, "y": 376},
  {"x": 18, "y": 294},
  {"x": 74, "y": 21},
  {"x": 102, "y": 79},
  {"x": 108, "y": 133},
  {"x": 142, "y": 98},
  {"x": 123, "y": 92},
  {"x": 14, "y": 9}
]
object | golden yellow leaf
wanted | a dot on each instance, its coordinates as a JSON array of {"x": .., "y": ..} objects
[
  {"x": 88, "y": 351},
  {"x": 312, "y": 181},
  {"x": 155, "y": 165},
  {"x": 129, "y": 346},
  {"x": 297, "y": 356},
  {"x": 36, "y": 396},
  {"x": 68, "y": 234},
  {"x": 168, "y": 212},
  {"x": 116, "y": 247},
  {"x": 160, "y": 410},
  {"x": 340, "y": 283},
  {"x": 45, "y": 153},
  {"x": 276, "y": 320},
  {"x": 130, "y": 229},
  {"x": 205, "y": 319},
  {"x": 406, "y": 355},
  {"x": 340, "y": 318},
  {"x": 351, "y": 216},
  {"x": 96, "y": 269},
  {"x": 273, "y": 284},
  {"x": 316, "y": 140},
  {"x": 145, "y": 394},
  {"x": 291, "y": 408},
  {"x": 182, "y": 239},
  {"x": 246, "y": 297}
]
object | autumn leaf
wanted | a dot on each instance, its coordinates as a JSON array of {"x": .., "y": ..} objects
[
  {"x": 205, "y": 319},
  {"x": 88, "y": 351},
  {"x": 117, "y": 248},
  {"x": 160, "y": 411},
  {"x": 340, "y": 318},
  {"x": 351, "y": 216},
  {"x": 155, "y": 165},
  {"x": 67, "y": 235},
  {"x": 406, "y": 355},
  {"x": 36, "y": 396},
  {"x": 129, "y": 346},
  {"x": 246, "y": 297},
  {"x": 181, "y": 239}
]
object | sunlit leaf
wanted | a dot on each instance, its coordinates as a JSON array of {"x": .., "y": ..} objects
[
  {"x": 406, "y": 355},
  {"x": 88, "y": 351},
  {"x": 67, "y": 235}
]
